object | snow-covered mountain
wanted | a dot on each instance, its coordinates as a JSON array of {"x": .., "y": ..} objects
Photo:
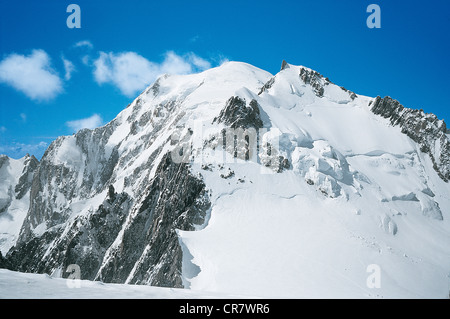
[
  {"x": 238, "y": 181},
  {"x": 16, "y": 177}
]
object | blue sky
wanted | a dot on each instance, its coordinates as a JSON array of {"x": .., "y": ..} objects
[{"x": 54, "y": 80}]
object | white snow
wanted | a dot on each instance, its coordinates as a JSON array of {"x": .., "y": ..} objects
[
  {"x": 275, "y": 235},
  {"x": 16, "y": 285}
]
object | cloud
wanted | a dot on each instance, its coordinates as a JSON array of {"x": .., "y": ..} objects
[
  {"x": 199, "y": 62},
  {"x": 2, "y": 129},
  {"x": 18, "y": 150},
  {"x": 86, "y": 59},
  {"x": 23, "y": 117},
  {"x": 89, "y": 122},
  {"x": 131, "y": 72},
  {"x": 31, "y": 75},
  {"x": 69, "y": 68},
  {"x": 128, "y": 71},
  {"x": 175, "y": 64},
  {"x": 195, "y": 38},
  {"x": 85, "y": 43}
]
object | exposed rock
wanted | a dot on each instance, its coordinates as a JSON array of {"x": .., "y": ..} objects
[
  {"x": 227, "y": 175},
  {"x": 84, "y": 242},
  {"x": 3, "y": 262},
  {"x": 270, "y": 157},
  {"x": 318, "y": 82},
  {"x": 25, "y": 180},
  {"x": 149, "y": 251},
  {"x": 350, "y": 93},
  {"x": 174, "y": 199},
  {"x": 425, "y": 129},
  {"x": 236, "y": 114},
  {"x": 15, "y": 187},
  {"x": 111, "y": 193},
  {"x": 284, "y": 65},
  {"x": 267, "y": 85},
  {"x": 73, "y": 175},
  {"x": 313, "y": 78}
]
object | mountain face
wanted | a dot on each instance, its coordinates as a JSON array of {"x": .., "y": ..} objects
[
  {"x": 425, "y": 129},
  {"x": 236, "y": 180},
  {"x": 16, "y": 177}
]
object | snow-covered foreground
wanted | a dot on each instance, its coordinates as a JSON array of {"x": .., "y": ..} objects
[{"x": 17, "y": 285}]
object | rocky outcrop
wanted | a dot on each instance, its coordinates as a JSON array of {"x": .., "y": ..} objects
[
  {"x": 319, "y": 83},
  {"x": 82, "y": 241},
  {"x": 237, "y": 113},
  {"x": 7, "y": 195},
  {"x": 15, "y": 187},
  {"x": 315, "y": 79},
  {"x": 267, "y": 85},
  {"x": 425, "y": 129},
  {"x": 147, "y": 250},
  {"x": 3, "y": 262},
  {"x": 270, "y": 157},
  {"x": 284, "y": 65},
  {"x": 26, "y": 179},
  {"x": 77, "y": 166}
]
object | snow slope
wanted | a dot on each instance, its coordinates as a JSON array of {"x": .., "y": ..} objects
[
  {"x": 276, "y": 235},
  {"x": 17, "y": 285}
]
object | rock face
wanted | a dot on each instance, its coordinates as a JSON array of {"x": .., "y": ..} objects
[
  {"x": 174, "y": 199},
  {"x": 267, "y": 86},
  {"x": 237, "y": 113},
  {"x": 16, "y": 178},
  {"x": 319, "y": 83},
  {"x": 15, "y": 186},
  {"x": 3, "y": 262},
  {"x": 315, "y": 79},
  {"x": 26, "y": 179},
  {"x": 425, "y": 129},
  {"x": 83, "y": 241}
]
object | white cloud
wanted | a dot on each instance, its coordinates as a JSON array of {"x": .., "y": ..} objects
[
  {"x": 86, "y": 59},
  {"x": 23, "y": 116},
  {"x": 2, "y": 129},
  {"x": 31, "y": 75},
  {"x": 89, "y": 122},
  {"x": 85, "y": 43},
  {"x": 199, "y": 62},
  {"x": 128, "y": 71},
  {"x": 223, "y": 60},
  {"x": 175, "y": 64},
  {"x": 131, "y": 72},
  {"x": 69, "y": 68},
  {"x": 195, "y": 38}
]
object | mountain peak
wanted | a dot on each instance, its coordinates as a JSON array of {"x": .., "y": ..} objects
[{"x": 280, "y": 171}]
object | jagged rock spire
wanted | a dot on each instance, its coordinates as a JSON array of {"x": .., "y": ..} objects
[{"x": 284, "y": 65}]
